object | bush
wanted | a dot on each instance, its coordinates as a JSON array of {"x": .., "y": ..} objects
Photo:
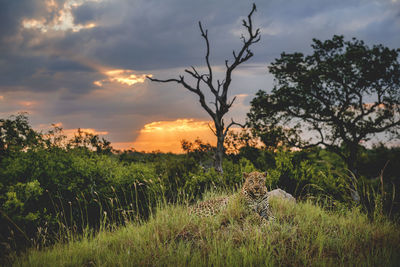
[
  {"x": 58, "y": 188},
  {"x": 304, "y": 174}
]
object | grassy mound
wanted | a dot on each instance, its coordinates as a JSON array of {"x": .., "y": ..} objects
[{"x": 302, "y": 234}]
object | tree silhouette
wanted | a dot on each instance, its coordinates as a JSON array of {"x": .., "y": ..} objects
[
  {"x": 344, "y": 93},
  {"x": 221, "y": 104}
]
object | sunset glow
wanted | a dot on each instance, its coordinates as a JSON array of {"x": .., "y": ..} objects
[
  {"x": 70, "y": 133},
  {"x": 166, "y": 136},
  {"x": 27, "y": 103},
  {"x": 163, "y": 136},
  {"x": 122, "y": 76}
]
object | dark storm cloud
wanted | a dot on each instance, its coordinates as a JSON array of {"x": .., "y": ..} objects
[
  {"x": 63, "y": 64},
  {"x": 146, "y": 35},
  {"x": 41, "y": 74},
  {"x": 159, "y": 34},
  {"x": 11, "y": 13},
  {"x": 87, "y": 12}
]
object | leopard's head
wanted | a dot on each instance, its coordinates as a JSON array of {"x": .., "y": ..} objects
[{"x": 254, "y": 184}]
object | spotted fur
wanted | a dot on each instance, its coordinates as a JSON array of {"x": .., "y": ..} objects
[
  {"x": 253, "y": 191},
  {"x": 209, "y": 207}
]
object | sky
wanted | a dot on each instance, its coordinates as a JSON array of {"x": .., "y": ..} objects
[{"x": 83, "y": 63}]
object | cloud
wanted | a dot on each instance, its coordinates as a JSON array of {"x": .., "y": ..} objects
[
  {"x": 83, "y": 63},
  {"x": 166, "y": 136},
  {"x": 60, "y": 19},
  {"x": 122, "y": 76},
  {"x": 179, "y": 125}
]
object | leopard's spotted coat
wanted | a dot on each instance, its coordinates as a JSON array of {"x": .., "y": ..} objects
[
  {"x": 253, "y": 191},
  {"x": 255, "y": 194}
]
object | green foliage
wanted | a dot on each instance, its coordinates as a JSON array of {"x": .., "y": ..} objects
[
  {"x": 90, "y": 141},
  {"x": 44, "y": 187},
  {"x": 16, "y": 134},
  {"x": 198, "y": 150},
  {"x": 301, "y": 174},
  {"x": 18, "y": 196},
  {"x": 342, "y": 94}
]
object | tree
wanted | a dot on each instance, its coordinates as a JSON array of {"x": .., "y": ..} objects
[
  {"x": 16, "y": 135},
  {"x": 91, "y": 142},
  {"x": 221, "y": 104},
  {"x": 200, "y": 151},
  {"x": 343, "y": 94},
  {"x": 236, "y": 141}
]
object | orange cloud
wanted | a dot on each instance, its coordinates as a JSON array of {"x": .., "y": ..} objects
[
  {"x": 166, "y": 136},
  {"x": 1, "y": 97},
  {"x": 122, "y": 76},
  {"x": 27, "y": 103}
]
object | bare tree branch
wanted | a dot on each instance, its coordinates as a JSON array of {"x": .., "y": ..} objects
[
  {"x": 211, "y": 128},
  {"x": 221, "y": 104},
  {"x": 231, "y": 124}
]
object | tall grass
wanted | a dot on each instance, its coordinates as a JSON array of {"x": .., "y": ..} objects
[
  {"x": 135, "y": 191},
  {"x": 302, "y": 234}
]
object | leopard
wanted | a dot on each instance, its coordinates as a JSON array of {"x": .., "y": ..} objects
[
  {"x": 253, "y": 192},
  {"x": 209, "y": 207}
]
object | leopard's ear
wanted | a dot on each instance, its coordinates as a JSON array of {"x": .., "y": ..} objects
[
  {"x": 263, "y": 177},
  {"x": 245, "y": 175}
]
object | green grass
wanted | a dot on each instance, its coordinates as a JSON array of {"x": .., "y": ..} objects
[{"x": 302, "y": 234}]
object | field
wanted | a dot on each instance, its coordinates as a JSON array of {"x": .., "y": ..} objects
[{"x": 302, "y": 234}]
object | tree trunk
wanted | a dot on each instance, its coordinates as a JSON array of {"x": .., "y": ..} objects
[
  {"x": 351, "y": 159},
  {"x": 351, "y": 164},
  {"x": 220, "y": 89},
  {"x": 219, "y": 153}
]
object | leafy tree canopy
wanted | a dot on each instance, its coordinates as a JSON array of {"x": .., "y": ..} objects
[
  {"x": 343, "y": 94},
  {"x": 16, "y": 134}
]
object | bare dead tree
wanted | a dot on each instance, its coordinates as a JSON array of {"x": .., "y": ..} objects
[{"x": 221, "y": 105}]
